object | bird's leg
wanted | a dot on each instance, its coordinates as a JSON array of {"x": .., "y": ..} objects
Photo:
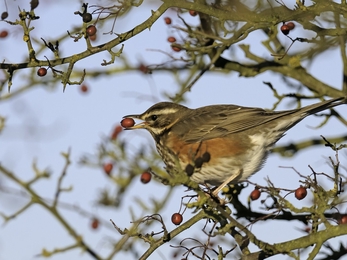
[{"x": 220, "y": 187}]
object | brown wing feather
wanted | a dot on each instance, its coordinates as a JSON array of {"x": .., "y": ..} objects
[{"x": 219, "y": 120}]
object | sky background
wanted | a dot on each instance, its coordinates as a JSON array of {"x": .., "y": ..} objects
[{"x": 45, "y": 121}]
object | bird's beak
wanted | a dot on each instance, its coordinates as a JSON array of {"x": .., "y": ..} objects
[{"x": 141, "y": 125}]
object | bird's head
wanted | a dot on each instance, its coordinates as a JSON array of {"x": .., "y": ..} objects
[{"x": 159, "y": 117}]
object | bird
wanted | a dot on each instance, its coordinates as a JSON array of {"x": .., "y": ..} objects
[{"x": 219, "y": 144}]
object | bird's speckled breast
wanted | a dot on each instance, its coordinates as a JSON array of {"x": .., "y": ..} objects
[{"x": 227, "y": 156}]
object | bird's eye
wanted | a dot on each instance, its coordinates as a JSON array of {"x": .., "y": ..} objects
[{"x": 154, "y": 117}]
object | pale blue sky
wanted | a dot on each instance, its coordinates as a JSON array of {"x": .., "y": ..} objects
[{"x": 44, "y": 122}]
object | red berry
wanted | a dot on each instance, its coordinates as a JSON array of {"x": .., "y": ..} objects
[
  {"x": 176, "y": 49},
  {"x": 285, "y": 29},
  {"x": 84, "y": 88},
  {"x": 91, "y": 30},
  {"x": 146, "y": 177},
  {"x": 116, "y": 132},
  {"x": 307, "y": 230},
  {"x": 343, "y": 219},
  {"x": 86, "y": 17},
  {"x": 176, "y": 218},
  {"x": 255, "y": 194},
  {"x": 3, "y": 34},
  {"x": 290, "y": 25},
  {"x": 95, "y": 223},
  {"x": 93, "y": 37},
  {"x": 42, "y": 72},
  {"x": 167, "y": 20},
  {"x": 171, "y": 39},
  {"x": 127, "y": 122},
  {"x": 300, "y": 193},
  {"x": 193, "y": 13},
  {"x": 108, "y": 168},
  {"x": 143, "y": 68}
]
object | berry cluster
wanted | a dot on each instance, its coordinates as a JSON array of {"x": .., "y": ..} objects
[
  {"x": 287, "y": 27},
  {"x": 300, "y": 193},
  {"x": 172, "y": 39}
]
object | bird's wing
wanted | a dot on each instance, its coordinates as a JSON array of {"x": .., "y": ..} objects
[{"x": 217, "y": 121}]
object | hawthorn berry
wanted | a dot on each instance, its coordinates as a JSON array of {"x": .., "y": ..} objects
[
  {"x": 91, "y": 30},
  {"x": 300, "y": 193},
  {"x": 3, "y": 34},
  {"x": 4, "y": 15},
  {"x": 176, "y": 218},
  {"x": 290, "y": 25},
  {"x": 307, "y": 230},
  {"x": 144, "y": 69},
  {"x": 95, "y": 223},
  {"x": 93, "y": 37},
  {"x": 84, "y": 88},
  {"x": 193, "y": 13},
  {"x": 176, "y": 49},
  {"x": 343, "y": 219},
  {"x": 86, "y": 17},
  {"x": 108, "y": 168},
  {"x": 167, "y": 20},
  {"x": 116, "y": 132},
  {"x": 146, "y": 177},
  {"x": 285, "y": 29},
  {"x": 171, "y": 39},
  {"x": 127, "y": 122},
  {"x": 255, "y": 194},
  {"x": 41, "y": 72}
]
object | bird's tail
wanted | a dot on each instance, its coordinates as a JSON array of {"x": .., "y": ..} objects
[{"x": 318, "y": 107}]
